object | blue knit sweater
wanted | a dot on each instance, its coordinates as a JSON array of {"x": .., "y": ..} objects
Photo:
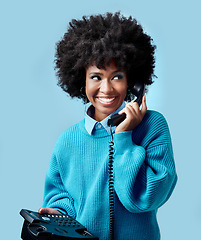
[{"x": 144, "y": 178}]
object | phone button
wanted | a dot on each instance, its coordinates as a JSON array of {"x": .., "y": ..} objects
[{"x": 46, "y": 218}]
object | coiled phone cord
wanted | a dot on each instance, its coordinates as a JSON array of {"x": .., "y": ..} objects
[{"x": 111, "y": 185}]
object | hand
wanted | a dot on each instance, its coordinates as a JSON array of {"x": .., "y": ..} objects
[
  {"x": 48, "y": 211},
  {"x": 134, "y": 116}
]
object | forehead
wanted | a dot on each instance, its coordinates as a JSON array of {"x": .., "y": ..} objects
[{"x": 111, "y": 67}]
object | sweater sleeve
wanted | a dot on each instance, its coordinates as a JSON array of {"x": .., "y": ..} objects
[
  {"x": 55, "y": 194},
  {"x": 144, "y": 174}
]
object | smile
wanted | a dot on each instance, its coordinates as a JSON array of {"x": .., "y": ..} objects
[{"x": 106, "y": 100}]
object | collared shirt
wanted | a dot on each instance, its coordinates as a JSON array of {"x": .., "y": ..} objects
[{"x": 92, "y": 125}]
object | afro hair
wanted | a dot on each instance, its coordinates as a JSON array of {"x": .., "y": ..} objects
[{"x": 100, "y": 39}]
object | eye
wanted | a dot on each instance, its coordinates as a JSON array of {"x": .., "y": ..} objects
[
  {"x": 95, "y": 77},
  {"x": 118, "y": 76}
]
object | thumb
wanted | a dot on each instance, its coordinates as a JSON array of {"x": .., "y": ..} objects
[
  {"x": 48, "y": 211},
  {"x": 144, "y": 106}
]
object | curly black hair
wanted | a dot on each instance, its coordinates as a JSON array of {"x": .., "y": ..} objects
[{"x": 101, "y": 39}]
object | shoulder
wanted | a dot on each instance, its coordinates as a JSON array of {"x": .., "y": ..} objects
[
  {"x": 70, "y": 134},
  {"x": 153, "y": 127},
  {"x": 151, "y": 114},
  {"x": 154, "y": 119}
]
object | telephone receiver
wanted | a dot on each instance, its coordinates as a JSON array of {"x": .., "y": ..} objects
[{"x": 138, "y": 91}]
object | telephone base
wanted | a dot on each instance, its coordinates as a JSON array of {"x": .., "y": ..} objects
[
  {"x": 52, "y": 227},
  {"x": 25, "y": 234}
]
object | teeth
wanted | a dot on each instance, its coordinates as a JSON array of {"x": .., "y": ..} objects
[{"x": 106, "y": 100}]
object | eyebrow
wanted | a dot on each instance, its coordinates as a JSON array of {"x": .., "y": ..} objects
[{"x": 98, "y": 73}]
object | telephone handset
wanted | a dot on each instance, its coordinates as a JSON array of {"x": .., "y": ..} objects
[
  {"x": 52, "y": 226},
  {"x": 138, "y": 92}
]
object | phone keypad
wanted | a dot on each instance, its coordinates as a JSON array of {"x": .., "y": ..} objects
[{"x": 63, "y": 220}]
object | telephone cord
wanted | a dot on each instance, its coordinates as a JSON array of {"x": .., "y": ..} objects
[{"x": 111, "y": 185}]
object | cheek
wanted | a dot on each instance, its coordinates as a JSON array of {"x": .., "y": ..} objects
[
  {"x": 91, "y": 90},
  {"x": 122, "y": 89}
]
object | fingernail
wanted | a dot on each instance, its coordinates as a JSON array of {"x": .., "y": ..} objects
[{"x": 42, "y": 210}]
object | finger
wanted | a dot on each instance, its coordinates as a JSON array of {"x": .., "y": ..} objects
[
  {"x": 132, "y": 109},
  {"x": 48, "y": 211},
  {"x": 135, "y": 107},
  {"x": 133, "y": 104},
  {"x": 122, "y": 111},
  {"x": 144, "y": 106}
]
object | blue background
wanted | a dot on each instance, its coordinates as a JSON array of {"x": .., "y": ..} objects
[{"x": 34, "y": 110}]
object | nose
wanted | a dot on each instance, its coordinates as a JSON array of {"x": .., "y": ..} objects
[{"x": 106, "y": 86}]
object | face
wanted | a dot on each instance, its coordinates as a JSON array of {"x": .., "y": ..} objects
[{"x": 105, "y": 89}]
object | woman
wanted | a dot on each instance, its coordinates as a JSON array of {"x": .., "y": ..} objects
[{"x": 99, "y": 60}]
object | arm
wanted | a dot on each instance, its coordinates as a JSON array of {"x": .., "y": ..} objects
[
  {"x": 144, "y": 174},
  {"x": 55, "y": 194}
]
